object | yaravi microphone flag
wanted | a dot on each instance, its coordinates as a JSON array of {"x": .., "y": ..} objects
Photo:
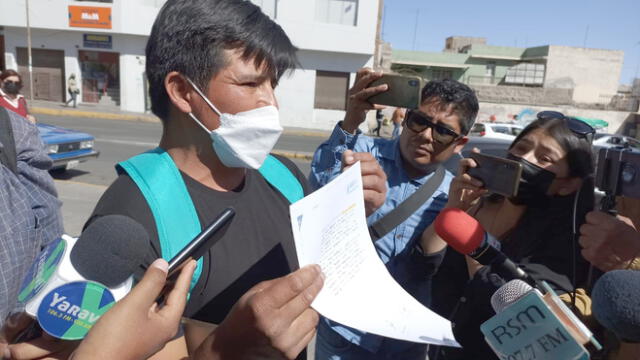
[{"x": 69, "y": 311}]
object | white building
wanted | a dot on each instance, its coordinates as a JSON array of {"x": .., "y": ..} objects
[{"x": 103, "y": 44}]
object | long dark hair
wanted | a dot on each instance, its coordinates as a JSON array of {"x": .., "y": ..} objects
[{"x": 547, "y": 235}]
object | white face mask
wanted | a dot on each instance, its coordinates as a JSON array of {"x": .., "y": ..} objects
[{"x": 244, "y": 139}]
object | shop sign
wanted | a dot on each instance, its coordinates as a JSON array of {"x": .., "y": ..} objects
[
  {"x": 97, "y": 41},
  {"x": 90, "y": 17}
]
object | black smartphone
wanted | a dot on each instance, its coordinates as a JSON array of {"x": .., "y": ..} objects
[
  {"x": 403, "y": 91},
  {"x": 201, "y": 243},
  {"x": 618, "y": 171},
  {"x": 498, "y": 175}
]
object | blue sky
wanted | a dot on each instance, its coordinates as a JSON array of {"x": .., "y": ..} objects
[{"x": 612, "y": 24}]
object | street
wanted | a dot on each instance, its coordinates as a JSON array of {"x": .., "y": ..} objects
[{"x": 80, "y": 188}]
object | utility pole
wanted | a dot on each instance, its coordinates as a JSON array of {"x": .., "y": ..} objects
[
  {"x": 377, "y": 53},
  {"x": 586, "y": 36},
  {"x": 415, "y": 28},
  {"x": 30, "y": 64}
]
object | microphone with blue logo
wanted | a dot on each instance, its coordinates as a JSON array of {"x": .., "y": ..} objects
[
  {"x": 73, "y": 282},
  {"x": 531, "y": 325},
  {"x": 528, "y": 324}
]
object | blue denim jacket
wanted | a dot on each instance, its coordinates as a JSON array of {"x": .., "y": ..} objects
[{"x": 395, "y": 247}]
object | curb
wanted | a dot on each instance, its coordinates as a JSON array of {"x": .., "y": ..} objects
[
  {"x": 148, "y": 118},
  {"x": 294, "y": 154},
  {"x": 93, "y": 114}
]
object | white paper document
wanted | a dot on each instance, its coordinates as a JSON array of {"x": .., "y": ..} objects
[{"x": 330, "y": 229}]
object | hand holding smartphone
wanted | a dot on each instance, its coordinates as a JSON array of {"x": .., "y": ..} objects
[
  {"x": 197, "y": 247},
  {"x": 403, "y": 91},
  {"x": 498, "y": 175}
]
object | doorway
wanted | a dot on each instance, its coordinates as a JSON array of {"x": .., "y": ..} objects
[
  {"x": 48, "y": 73},
  {"x": 100, "y": 77}
]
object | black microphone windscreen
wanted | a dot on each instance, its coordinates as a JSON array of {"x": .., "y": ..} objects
[
  {"x": 110, "y": 249},
  {"x": 616, "y": 303}
]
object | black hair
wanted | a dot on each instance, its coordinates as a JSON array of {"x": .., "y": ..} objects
[
  {"x": 578, "y": 148},
  {"x": 541, "y": 233},
  {"x": 450, "y": 92},
  {"x": 190, "y": 36}
]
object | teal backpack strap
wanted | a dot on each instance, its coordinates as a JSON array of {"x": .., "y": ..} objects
[
  {"x": 161, "y": 184},
  {"x": 280, "y": 177}
]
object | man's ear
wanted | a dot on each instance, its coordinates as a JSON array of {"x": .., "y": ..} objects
[
  {"x": 179, "y": 91},
  {"x": 569, "y": 186},
  {"x": 460, "y": 143}
]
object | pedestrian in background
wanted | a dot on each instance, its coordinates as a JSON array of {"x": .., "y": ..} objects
[
  {"x": 396, "y": 118},
  {"x": 10, "y": 97},
  {"x": 73, "y": 90}
]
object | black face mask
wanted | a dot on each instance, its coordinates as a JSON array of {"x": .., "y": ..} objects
[
  {"x": 534, "y": 183},
  {"x": 11, "y": 87}
]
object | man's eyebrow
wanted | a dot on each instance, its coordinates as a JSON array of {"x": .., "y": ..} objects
[{"x": 254, "y": 77}]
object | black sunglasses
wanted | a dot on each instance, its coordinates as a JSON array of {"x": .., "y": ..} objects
[
  {"x": 418, "y": 122},
  {"x": 578, "y": 127},
  {"x": 12, "y": 82}
]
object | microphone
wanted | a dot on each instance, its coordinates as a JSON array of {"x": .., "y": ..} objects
[
  {"x": 616, "y": 303},
  {"x": 531, "y": 325},
  {"x": 465, "y": 235},
  {"x": 73, "y": 282}
]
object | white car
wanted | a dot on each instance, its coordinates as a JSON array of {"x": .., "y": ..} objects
[
  {"x": 496, "y": 130},
  {"x": 603, "y": 140}
]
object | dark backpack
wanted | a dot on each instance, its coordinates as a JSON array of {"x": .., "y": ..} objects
[{"x": 8, "y": 155}]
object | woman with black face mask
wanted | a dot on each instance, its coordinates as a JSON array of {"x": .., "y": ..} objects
[
  {"x": 10, "y": 97},
  {"x": 536, "y": 228}
]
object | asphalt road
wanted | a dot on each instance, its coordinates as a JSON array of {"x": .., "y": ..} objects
[{"x": 117, "y": 140}]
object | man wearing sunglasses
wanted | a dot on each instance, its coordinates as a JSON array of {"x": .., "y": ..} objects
[{"x": 431, "y": 134}]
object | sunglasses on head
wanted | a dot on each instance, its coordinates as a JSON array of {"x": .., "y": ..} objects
[
  {"x": 418, "y": 122},
  {"x": 578, "y": 127}
]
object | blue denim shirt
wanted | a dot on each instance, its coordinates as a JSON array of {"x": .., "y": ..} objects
[{"x": 395, "y": 247}]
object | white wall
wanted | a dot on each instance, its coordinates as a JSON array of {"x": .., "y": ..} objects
[
  {"x": 297, "y": 18},
  {"x": 526, "y": 113},
  {"x": 324, "y": 46},
  {"x": 128, "y": 16},
  {"x": 594, "y": 73},
  {"x": 296, "y": 93},
  {"x": 130, "y": 47}
]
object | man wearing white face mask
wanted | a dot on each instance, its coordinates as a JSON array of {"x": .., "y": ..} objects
[{"x": 212, "y": 67}]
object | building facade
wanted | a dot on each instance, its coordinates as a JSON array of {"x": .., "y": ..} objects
[
  {"x": 103, "y": 42},
  {"x": 578, "y": 75}
]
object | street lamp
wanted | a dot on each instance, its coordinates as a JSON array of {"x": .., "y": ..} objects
[{"x": 30, "y": 66}]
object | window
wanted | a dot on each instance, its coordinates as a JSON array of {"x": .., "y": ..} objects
[
  {"x": 104, "y": 1},
  {"x": 501, "y": 129},
  {"x": 516, "y": 131},
  {"x": 477, "y": 129},
  {"x": 490, "y": 70},
  {"x": 441, "y": 74},
  {"x": 343, "y": 12},
  {"x": 331, "y": 90},
  {"x": 269, "y": 7}
]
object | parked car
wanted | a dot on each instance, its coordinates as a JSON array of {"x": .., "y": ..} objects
[
  {"x": 495, "y": 130},
  {"x": 608, "y": 140},
  {"x": 67, "y": 148}
]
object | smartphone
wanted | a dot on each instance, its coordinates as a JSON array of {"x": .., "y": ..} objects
[
  {"x": 403, "y": 91},
  {"x": 499, "y": 175},
  {"x": 618, "y": 172},
  {"x": 201, "y": 243}
]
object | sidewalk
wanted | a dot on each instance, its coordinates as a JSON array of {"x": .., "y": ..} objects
[{"x": 96, "y": 111}]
